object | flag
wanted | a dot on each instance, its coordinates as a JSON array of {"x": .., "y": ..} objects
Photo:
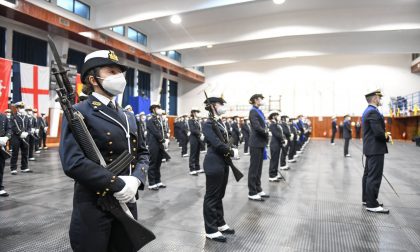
[
  {"x": 5, "y": 71},
  {"x": 31, "y": 85}
]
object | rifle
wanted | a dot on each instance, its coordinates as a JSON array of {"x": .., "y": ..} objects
[
  {"x": 137, "y": 233},
  {"x": 236, "y": 172}
]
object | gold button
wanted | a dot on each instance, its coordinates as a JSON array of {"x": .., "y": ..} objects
[
  {"x": 110, "y": 160},
  {"x": 110, "y": 143},
  {"x": 110, "y": 152},
  {"x": 132, "y": 166},
  {"x": 98, "y": 193},
  {"x": 95, "y": 107},
  {"x": 112, "y": 181},
  {"x": 134, "y": 149},
  {"x": 108, "y": 133},
  {"x": 142, "y": 169},
  {"x": 134, "y": 140},
  {"x": 107, "y": 189}
]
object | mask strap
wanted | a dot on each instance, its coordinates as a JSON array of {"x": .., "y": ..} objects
[{"x": 101, "y": 87}]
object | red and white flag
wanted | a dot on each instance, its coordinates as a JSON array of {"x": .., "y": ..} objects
[
  {"x": 5, "y": 72},
  {"x": 35, "y": 82}
]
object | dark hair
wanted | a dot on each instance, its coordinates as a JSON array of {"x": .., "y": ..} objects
[
  {"x": 369, "y": 98},
  {"x": 87, "y": 86}
]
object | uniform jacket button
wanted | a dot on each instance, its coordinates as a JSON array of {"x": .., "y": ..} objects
[
  {"x": 110, "y": 152},
  {"x": 108, "y": 133},
  {"x": 134, "y": 149},
  {"x": 134, "y": 140},
  {"x": 110, "y": 142}
]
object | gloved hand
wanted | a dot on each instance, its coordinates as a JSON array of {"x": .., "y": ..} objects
[
  {"x": 270, "y": 134},
  {"x": 285, "y": 143},
  {"x": 166, "y": 143},
  {"x": 3, "y": 141},
  {"x": 202, "y": 137},
  {"x": 45, "y": 129},
  {"x": 189, "y": 133},
  {"x": 292, "y": 136},
  {"x": 145, "y": 133},
  {"x": 32, "y": 130},
  {"x": 168, "y": 135},
  {"x": 130, "y": 189},
  {"x": 37, "y": 131},
  {"x": 235, "y": 153},
  {"x": 24, "y": 135}
]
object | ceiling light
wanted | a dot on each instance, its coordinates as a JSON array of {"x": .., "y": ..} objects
[
  {"x": 279, "y": 1},
  {"x": 176, "y": 19},
  {"x": 209, "y": 46}
]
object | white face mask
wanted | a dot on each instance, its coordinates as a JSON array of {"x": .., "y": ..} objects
[
  {"x": 114, "y": 84},
  {"x": 159, "y": 111},
  {"x": 22, "y": 111},
  {"x": 30, "y": 113},
  {"x": 221, "y": 111},
  {"x": 262, "y": 103},
  {"x": 143, "y": 119},
  {"x": 8, "y": 115}
]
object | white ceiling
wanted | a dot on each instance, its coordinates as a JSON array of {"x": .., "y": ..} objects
[{"x": 242, "y": 30}]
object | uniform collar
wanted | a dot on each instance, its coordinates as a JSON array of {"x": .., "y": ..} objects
[{"x": 105, "y": 100}]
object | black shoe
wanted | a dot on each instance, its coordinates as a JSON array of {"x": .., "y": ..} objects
[
  {"x": 228, "y": 231},
  {"x": 380, "y": 204},
  {"x": 161, "y": 185},
  {"x": 218, "y": 238},
  {"x": 4, "y": 194}
]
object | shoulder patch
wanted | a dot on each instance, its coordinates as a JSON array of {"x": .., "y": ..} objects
[{"x": 96, "y": 103}]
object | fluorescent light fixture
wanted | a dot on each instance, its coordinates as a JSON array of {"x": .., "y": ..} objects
[
  {"x": 176, "y": 19},
  {"x": 279, "y": 1},
  {"x": 209, "y": 46}
]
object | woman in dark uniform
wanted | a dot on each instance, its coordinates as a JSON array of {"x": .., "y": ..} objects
[
  {"x": 216, "y": 170},
  {"x": 113, "y": 131}
]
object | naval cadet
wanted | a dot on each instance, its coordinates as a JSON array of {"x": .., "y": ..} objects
[
  {"x": 347, "y": 131},
  {"x": 5, "y": 135},
  {"x": 32, "y": 138},
  {"x": 374, "y": 148},
  {"x": 157, "y": 143},
  {"x": 334, "y": 129},
  {"x": 276, "y": 143},
  {"x": 19, "y": 140},
  {"x": 246, "y": 129},
  {"x": 216, "y": 170},
  {"x": 114, "y": 132},
  {"x": 236, "y": 132},
  {"x": 258, "y": 142},
  {"x": 195, "y": 139},
  {"x": 285, "y": 148}
]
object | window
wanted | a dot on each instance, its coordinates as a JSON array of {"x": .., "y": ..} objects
[
  {"x": 136, "y": 36},
  {"x": 199, "y": 68},
  {"x": 76, "y": 7},
  {"x": 11, "y": 1},
  {"x": 118, "y": 29},
  {"x": 172, "y": 55}
]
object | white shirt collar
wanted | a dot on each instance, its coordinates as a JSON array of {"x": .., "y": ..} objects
[{"x": 105, "y": 100}]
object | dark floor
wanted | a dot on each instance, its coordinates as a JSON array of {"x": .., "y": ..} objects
[{"x": 318, "y": 209}]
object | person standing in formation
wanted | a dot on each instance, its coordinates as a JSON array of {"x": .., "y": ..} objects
[
  {"x": 347, "y": 131},
  {"x": 276, "y": 143},
  {"x": 246, "y": 129},
  {"x": 196, "y": 137},
  {"x": 334, "y": 129}
]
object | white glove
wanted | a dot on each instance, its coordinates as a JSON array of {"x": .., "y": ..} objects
[
  {"x": 292, "y": 136},
  {"x": 145, "y": 133},
  {"x": 202, "y": 137},
  {"x": 45, "y": 129},
  {"x": 3, "y": 141},
  {"x": 37, "y": 131},
  {"x": 235, "y": 153},
  {"x": 24, "y": 134},
  {"x": 32, "y": 130},
  {"x": 168, "y": 135},
  {"x": 285, "y": 143},
  {"x": 270, "y": 134},
  {"x": 189, "y": 133},
  {"x": 166, "y": 143},
  {"x": 130, "y": 189}
]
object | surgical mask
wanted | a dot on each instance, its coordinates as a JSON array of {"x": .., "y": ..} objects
[
  {"x": 159, "y": 111},
  {"x": 221, "y": 111},
  {"x": 8, "y": 115},
  {"x": 114, "y": 84},
  {"x": 22, "y": 111},
  {"x": 30, "y": 113},
  {"x": 262, "y": 103},
  {"x": 143, "y": 118}
]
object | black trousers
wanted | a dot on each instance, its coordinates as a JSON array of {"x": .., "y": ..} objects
[
  {"x": 333, "y": 136},
  {"x": 346, "y": 146},
  {"x": 155, "y": 162},
  {"x": 184, "y": 145},
  {"x": 203, "y": 145},
  {"x": 2, "y": 165},
  {"x": 213, "y": 206},
  {"x": 42, "y": 138},
  {"x": 235, "y": 140},
  {"x": 92, "y": 229},
  {"x": 246, "y": 144},
  {"x": 283, "y": 155},
  {"x": 372, "y": 178},
  {"x": 274, "y": 161},
  {"x": 255, "y": 170},
  {"x": 31, "y": 141},
  {"x": 292, "y": 150},
  {"x": 17, "y": 144},
  {"x": 194, "y": 159}
]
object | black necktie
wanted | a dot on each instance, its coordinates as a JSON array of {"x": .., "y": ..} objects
[{"x": 112, "y": 106}]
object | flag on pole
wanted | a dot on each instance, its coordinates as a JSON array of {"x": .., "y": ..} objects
[
  {"x": 31, "y": 86},
  {"x": 5, "y": 72}
]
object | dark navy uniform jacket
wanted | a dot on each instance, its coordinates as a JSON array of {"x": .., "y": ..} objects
[
  {"x": 155, "y": 132},
  {"x": 245, "y": 130},
  {"x": 20, "y": 124},
  {"x": 347, "y": 129},
  {"x": 334, "y": 126},
  {"x": 217, "y": 149},
  {"x": 195, "y": 128},
  {"x": 90, "y": 177},
  {"x": 235, "y": 130},
  {"x": 259, "y": 135},
  {"x": 286, "y": 130},
  {"x": 278, "y": 138},
  {"x": 5, "y": 127},
  {"x": 373, "y": 125}
]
